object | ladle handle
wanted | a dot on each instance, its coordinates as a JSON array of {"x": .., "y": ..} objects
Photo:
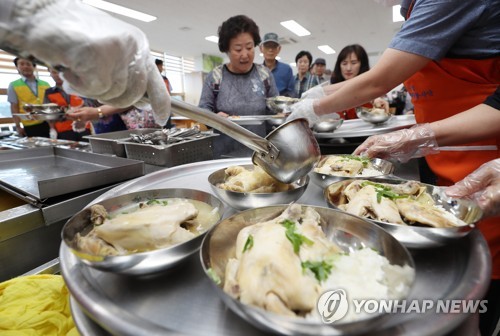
[{"x": 240, "y": 134}]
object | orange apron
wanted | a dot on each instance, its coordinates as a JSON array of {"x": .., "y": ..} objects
[{"x": 448, "y": 87}]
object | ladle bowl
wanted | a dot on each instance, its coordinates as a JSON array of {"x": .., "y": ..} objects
[{"x": 287, "y": 153}]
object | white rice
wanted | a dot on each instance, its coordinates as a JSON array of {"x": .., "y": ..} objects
[{"x": 366, "y": 275}]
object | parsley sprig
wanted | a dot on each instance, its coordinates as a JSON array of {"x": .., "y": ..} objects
[
  {"x": 363, "y": 160},
  {"x": 155, "y": 201},
  {"x": 383, "y": 191},
  {"x": 295, "y": 238},
  {"x": 321, "y": 269}
]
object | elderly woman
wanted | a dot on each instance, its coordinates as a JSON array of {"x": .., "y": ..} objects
[
  {"x": 304, "y": 80},
  {"x": 240, "y": 87}
]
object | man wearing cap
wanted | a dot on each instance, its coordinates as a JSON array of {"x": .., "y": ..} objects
[
  {"x": 319, "y": 67},
  {"x": 283, "y": 74}
]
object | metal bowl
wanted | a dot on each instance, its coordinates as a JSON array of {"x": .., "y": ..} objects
[
  {"x": 280, "y": 104},
  {"x": 277, "y": 120},
  {"x": 327, "y": 125},
  {"x": 347, "y": 231},
  {"x": 49, "y": 112},
  {"x": 243, "y": 200},
  {"x": 420, "y": 236},
  {"x": 50, "y": 108},
  {"x": 324, "y": 180},
  {"x": 143, "y": 263},
  {"x": 365, "y": 113}
]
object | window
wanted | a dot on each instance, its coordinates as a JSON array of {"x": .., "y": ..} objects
[{"x": 175, "y": 68}]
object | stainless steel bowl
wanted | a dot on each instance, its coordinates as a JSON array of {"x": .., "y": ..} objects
[
  {"x": 138, "y": 263},
  {"x": 365, "y": 114},
  {"x": 280, "y": 104},
  {"x": 347, "y": 231},
  {"x": 324, "y": 180},
  {"x": 419, "y": 236},
  {"x": 243, "y": 200},
  {"x": 327, "y": 125},
  {"x": 49, "y": 112}
]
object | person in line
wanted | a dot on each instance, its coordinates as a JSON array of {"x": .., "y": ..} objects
[
  {"x": 304, "y": 79},
  {"x": 351, "y": 62},
  {"x": 66, "y": 129},
  {"x": 240, "y": 87},
  {"x": 100, "y": 57},
  {"x": 27, "y": 90},
  {"x": 319, "y": 68},
  {"x": 159, "y": 65},
  {"x": 447, "y": 53},
  {"x": 283, "y": 74}
]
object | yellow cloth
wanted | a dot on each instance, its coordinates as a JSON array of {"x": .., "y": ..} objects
[{"x": 35, "y": 305}]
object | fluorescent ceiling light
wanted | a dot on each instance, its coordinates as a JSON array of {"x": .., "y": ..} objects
[
  {"x": 326, "y": 49},
  {"x": 295, "y": 28},
  {"x": 212, "y": 38},
  {"x": 396, "y": 14},
  {"x": 111, "y": 7},
  {"x": 293, "y": 64}
]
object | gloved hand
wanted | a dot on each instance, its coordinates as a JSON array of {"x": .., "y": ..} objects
[
  {"x": 401, "y": 145},
  {"x": 104, "y": 58},
  {"x": 315, "y": 92},
  {"x": 304, "y": 109},
  {"x": 483, "y": 186}
]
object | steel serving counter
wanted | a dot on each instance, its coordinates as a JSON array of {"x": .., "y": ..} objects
[{"x": 181, "y": 300}]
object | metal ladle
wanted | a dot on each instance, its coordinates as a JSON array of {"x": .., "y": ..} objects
[{"x": 287, "y": 153}]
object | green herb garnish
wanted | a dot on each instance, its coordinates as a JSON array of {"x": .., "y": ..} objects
[
  {"x": 383, "y": 191},
  {"x": 295, "y": 238},
  {"x": 321, "y": 269},
  {"x": 364, "y": 161},
  {"x": 155, "y": 201},
  {"x": 215, "y": 278},
  {"x": 248, "y": 243}
]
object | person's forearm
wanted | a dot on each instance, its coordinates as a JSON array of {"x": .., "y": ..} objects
[
  {"x": 478, "y": 123},
  {"x": 393, "y": 68}
]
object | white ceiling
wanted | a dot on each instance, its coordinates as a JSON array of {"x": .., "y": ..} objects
[{"x": 183, "y": 24}]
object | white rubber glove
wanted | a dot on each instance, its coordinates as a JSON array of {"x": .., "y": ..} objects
[
  {"x": 315, "y": 92},
  {"x": 483, "y": 186},
  {"x": 104, "y": 58},
  {"x": 304, "y": 109},
  {"x": 401, "y": 145}
]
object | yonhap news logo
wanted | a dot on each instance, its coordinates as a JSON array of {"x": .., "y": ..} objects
[{"x": 333, "y": 305}]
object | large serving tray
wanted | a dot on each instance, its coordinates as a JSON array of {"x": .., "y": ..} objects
[
  {"x": 41, "y": 173},
  {"x": 182, "y": 300},
  {"x": 359, "y": 128}
]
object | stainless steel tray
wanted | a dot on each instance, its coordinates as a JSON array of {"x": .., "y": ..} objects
[
  {"x": 182, "y": 300},
  {"x": 40, "y": 173},
  {"x": 359, "y": 128}
]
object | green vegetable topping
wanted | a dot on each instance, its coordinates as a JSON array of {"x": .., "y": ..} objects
[
  {"x": 364, "y": 161},
  {"x": 321, "y": 269},
  {"x": 215, "y": 278},
  {"x": 155, "y": 201},
  {"x": 295, "y": 238},
  {"x": 248, "y": 243},
  {"x": 383, "y": 191}
]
